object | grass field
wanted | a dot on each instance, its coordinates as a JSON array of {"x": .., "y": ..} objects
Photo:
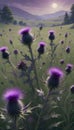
[
  {"x": 10, "y": 75},
  {"x": 43, "y": 36}
]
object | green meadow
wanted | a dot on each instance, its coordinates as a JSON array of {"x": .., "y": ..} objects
[
  {"x": 11, "y": 77},
  {"x": 8, "y": 79}
]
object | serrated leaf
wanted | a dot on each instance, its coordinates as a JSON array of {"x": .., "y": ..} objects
[
  {"x": 2, "y": 116},
  {"x": 56, "y": 124}
]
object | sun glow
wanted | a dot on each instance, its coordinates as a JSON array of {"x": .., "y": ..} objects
[{"x": 54, "y": 5}]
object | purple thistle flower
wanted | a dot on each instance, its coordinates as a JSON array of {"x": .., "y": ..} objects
[
  {"x": 68, "y": 69},
  {"x": 4, "y": 48},
  {"x": 66, "y": 35},
  {"x": 41, "y": 27},
  {"x": 62, "y": 61},
  {"x": 11, "y": 42},
  {"x": 0, "y": 34},
  {"x": 5, "y": 53},
  {"x": 68, "y": 49},
  {"x": 51, "y": 35},
  {"x": 54, "y": 78},
  {"x": 14, "y": 104},
  {"x": 22, "y": 66},
  {"x": 15, "y": 51},
  {"x": 41, "y": 48},
  {"x": 72, "y": 89},
  {"x": 27, "y": 38},
  {"x": 10, "y": 29},
  {"x": 62, "y": 42}
]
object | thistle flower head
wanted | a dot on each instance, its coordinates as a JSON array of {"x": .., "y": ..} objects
[
  {"x": 15, "y": 51},
  {"x": 41, "y": 27},
  {"x": 62, "y": 61},
  {"x": 5, "y": 53},
  {"x": 66, "y": 35},
  {"x": 10, "y": 41},
  {"x": 68, "y": 68},
  {"x": 27, "y": 38},
  {"x": 54, "y": 78},
  {"x": 41, "y": 48},
  {"x": 22, "y": 66},
  {"x": 14, "y": 105},
  {"x": 51, "y": 35},
  {"x": 72, "y": 89},
  {"x": 62, "y": 42},
  {"x": 68, "y": 49}
]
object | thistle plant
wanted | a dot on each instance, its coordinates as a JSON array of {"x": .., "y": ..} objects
[
  {"x": 27, "y": 39},
  {"x": 53, "y": 46}
]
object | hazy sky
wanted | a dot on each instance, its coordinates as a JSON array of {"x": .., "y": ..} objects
[{"x": 40, "y": 6}]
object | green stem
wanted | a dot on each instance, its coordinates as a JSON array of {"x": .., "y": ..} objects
[
  {"x": 14, "y": 124},
  {"x": 33, "y": 61},
  {"x": 44, "y": 105}
]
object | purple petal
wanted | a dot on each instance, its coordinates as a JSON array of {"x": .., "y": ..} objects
[
  {"x": 13, "y": 93},
  {"x": 51, "y": 31},
  {"x": 55, "y": 72},
  {"x": 42, "y": 43},
  {"x": 25, "y": 30},
  {"x": 4, "y": 48}
]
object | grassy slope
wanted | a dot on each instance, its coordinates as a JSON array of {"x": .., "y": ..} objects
[{"x": 6, "y": 77}]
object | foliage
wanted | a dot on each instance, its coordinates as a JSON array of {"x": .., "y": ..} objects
[
  {"x": 66, "y": 18},
  {"x": 72, "y": 14},
  {"x": 6, "y": 15},
  {"x": 69, "y": 19},
  {"x": 27, "y": 67}
]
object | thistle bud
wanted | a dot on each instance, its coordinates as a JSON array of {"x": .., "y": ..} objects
[
  {"x": 54, "y": 78},
  {"x": 27, "y": 38},
  {"x": 14, "y": 104}
]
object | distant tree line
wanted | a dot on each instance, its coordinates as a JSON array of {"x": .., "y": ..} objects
[
  {"x": 6, "y": 17},
  {"x": 69, "y": 18}
]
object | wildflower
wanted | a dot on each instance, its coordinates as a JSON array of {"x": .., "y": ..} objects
[
  {"x": 68, "y": 49},
  {"x": 27, "y": 38},
  {"x": 72, "y": 89},
  {"x": 22, "y": 66},
  {"x": 62, "y": 61},
  {"x": 51, "y": 35},
  {"x": 41, "y": 48},
  {"x": 10, "y": 29},
  {"x": 14, "y": 103},
  {"x": 54, "y": 78},
  {"x": 62, "y": 42},
  {"x": 66, "y": 35},
  {"x": 68, "y": 69},
  {"x": 41, "y": 27},
  {"x": 0, "y": 34},
  {"x": 15, "y": 51},
  {"x": 5, "y": 53},
  {"x": 11, "y": 42}
]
